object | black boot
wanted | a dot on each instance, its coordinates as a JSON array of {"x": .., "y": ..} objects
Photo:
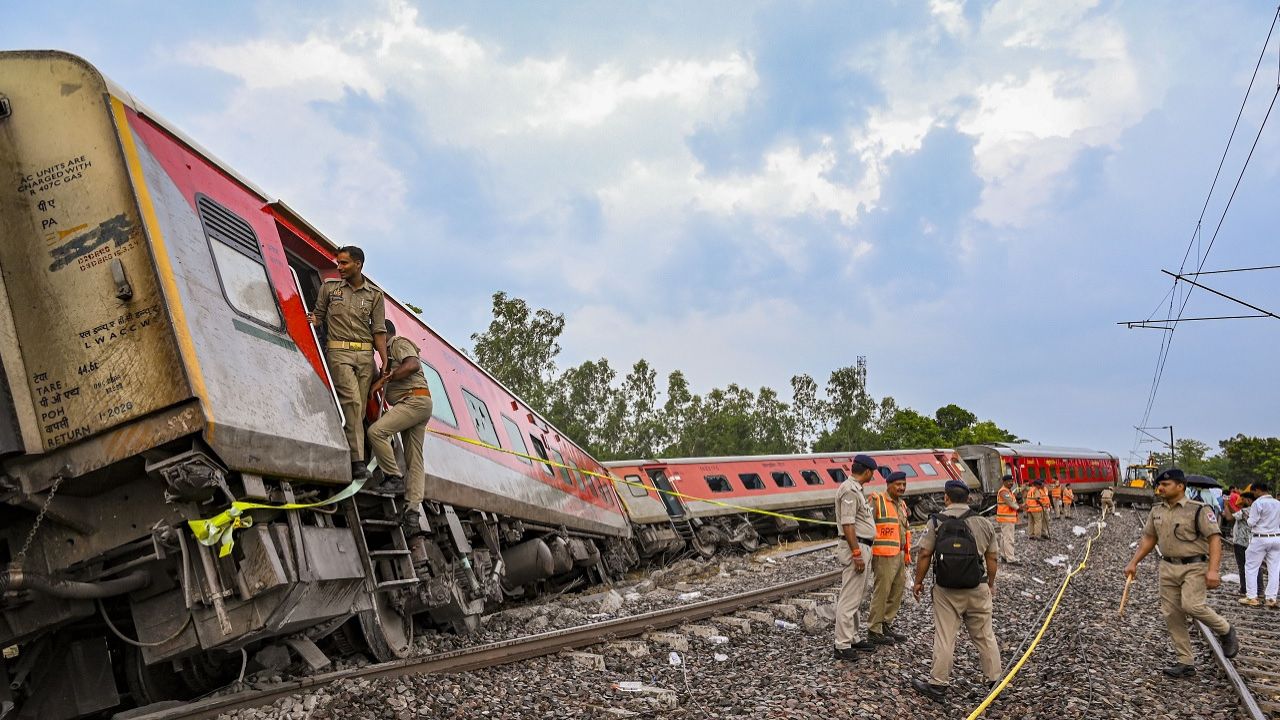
[
  {"x": 359, "y": 469},
  {"x": 936, "y": 693},
  {"x": 879, "y": 639},
  {"x": 392, "y": 485},
  {"x": 411, "y": 520},
  {"x": 1180, "y": 670},
  {"x": 1230, "y": 643},
  {"x": 888, "y": 630}
]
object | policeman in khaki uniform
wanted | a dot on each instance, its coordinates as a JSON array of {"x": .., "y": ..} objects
[
  {"x": 1190, "y": 544},
  {"x": 1068, "y": 499},
  {"x": 1007, "y": 508},
  {"x": 1055, "y": 496},
  {"x": 353, "y": 311},
  {"x": 853, "y": 514},
  {"x": 1037, "y": 511},
  {"x": 890, "y": 557},
  {"x": 409, "y": 401},
  {"x": 1108, "y": 501}
]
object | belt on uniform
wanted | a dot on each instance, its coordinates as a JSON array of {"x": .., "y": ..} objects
[
  {"x": 865, "y": 541},
  {"x": 1266, "y": 534},
  {"x": 348, "y": 345},
  {"x": 415, "y": 392},
  {"x": 1186, "y": 560}
]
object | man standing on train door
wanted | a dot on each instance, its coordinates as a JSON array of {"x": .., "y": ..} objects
[
  {"x": 857, "y": 530},
  {"x": 890, "y": 558},
  {"x": 409, "y": 409},
  {"x": 1007, "y": 508},
  {"x": 1190, "y": 545},
  {"x": 353, "y": 311}
]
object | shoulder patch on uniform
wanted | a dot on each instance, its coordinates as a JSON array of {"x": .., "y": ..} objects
[{"x": 1213, "y": 517}]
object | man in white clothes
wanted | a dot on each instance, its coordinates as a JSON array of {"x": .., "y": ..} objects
[{"x": 1264, "y": 521}]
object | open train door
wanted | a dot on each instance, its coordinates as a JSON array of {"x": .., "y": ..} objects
[{"x": 675, "y": 507}]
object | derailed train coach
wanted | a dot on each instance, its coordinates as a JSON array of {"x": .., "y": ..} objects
[
  {"x": 738, "y": 502},
  {"x": 1085, "y": 471},
  {"x": 157, "y": 366}
]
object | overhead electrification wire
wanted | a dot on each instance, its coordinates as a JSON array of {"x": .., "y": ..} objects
[{"x": 1173, "y": 295}]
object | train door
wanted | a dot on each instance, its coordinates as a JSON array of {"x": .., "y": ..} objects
[{"x": 675, "y": 508}]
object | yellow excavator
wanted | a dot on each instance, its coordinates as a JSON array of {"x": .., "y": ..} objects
[{"x": 1137, "y": 488}]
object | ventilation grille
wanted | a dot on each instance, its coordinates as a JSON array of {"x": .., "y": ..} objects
[{"x": 225, "y": 226}]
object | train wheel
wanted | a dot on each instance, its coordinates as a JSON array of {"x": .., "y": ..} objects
[
  {"x": 151, "y": 683},
  {"x": 704, "y": 543},
  {"x": 925, "y": 507},
  {"x": 388, "y": 634}
]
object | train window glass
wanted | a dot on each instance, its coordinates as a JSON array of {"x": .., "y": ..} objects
[
  {"x": 811, "y": 477},
  {"x": 237, "y": 261},
  {"x": 590, "y": 482},
  {"x": 637, "y": 489},
  {"x": 718, "y": 483},
  {"x": 910, "y": 471},
  {"x": 481, "y": 419},
  {"x": 441, "y": 408},
  {"x": 513, "y": 435},
  {"x": 564, "y": 472},
  {"x": 782, "y": 479},
  {"x": 542, "y": 453},
  {"x": 837, "y": 474},
  {"x": 928, "y": 468},
  {"x": 751, "y": 481}
]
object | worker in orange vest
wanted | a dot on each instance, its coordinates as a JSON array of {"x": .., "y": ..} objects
[
  {"x": 1007, "y": 508},
  {"x": 1068, "y": 497},
  {"x": 1055, "y": 495},
  {"x": 1037, "y": 511},
  {"x": 890, "y": 558}
]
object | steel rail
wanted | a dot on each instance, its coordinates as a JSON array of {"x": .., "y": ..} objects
[
  {"x": 1238, "y": 681},
  {"x": 499, "y": 653}
]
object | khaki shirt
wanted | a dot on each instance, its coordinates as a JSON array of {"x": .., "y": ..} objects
[
  {"x": 398, "y": 350},
  {"x": 984, "y": 531},
  {"x": 1108, "y": 494},
  {"x": 1174, "y": 528},
  {"x": 350, "y": 314},
  {"x": 853, "y": 509}
]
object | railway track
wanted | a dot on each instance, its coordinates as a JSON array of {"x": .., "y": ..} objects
[
  {"x": 1255, "y": 672},
  {"x": 499, "y": 653}
]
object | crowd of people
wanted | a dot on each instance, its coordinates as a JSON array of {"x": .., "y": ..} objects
[{"x": 964, "y": 550}]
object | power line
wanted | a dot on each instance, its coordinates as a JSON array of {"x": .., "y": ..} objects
[{"x": 1154, "y": 324}]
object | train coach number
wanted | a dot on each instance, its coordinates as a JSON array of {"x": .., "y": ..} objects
[{"x": 115, "y": 412}]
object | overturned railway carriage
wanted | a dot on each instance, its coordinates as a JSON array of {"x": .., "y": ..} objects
[
  {"x": 1085, "y": 471},
  {"x": 157, "y": 366},
  {"x": 676, "y": 503}
]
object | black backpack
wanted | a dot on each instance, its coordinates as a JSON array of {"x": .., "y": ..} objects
[{"x": 956, "y": 561}]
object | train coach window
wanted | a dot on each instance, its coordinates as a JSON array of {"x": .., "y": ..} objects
[
  {"x": 837, "y": 474},
  {"x": 481, "y": 418},
  {"x": 751, "y": 481},
  {"x": 542, "y": 453},
  {"x": 782, "y": 479},
  {"x": 237, "y": 260},
  {"x": 516, "y": 439},
  {"x": 811, "y": 477},
  {"x": 564, "y": 472},
  {"x": 441, "y": 408},
  {"x": 718, "y": 483},
  {"x": 928, "y": 468},
  {"x": 910, "y": 471},
  {"x": 636, "y": 486}
]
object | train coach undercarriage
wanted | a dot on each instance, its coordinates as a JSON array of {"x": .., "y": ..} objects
[{"x": 161, "y": 616}]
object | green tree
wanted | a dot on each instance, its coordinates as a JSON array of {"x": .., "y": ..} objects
[
  {"x": 983, "y": 432},
  {"x": 643, "y": 429},
  {"x": 808, "y": 412},
  {"x": 586, "y": 407},
  {"x": 775, "y": 425},
  {"x": 520, "y": 348},
  {"x": 1251, "y": 459},
  {"x": 1191, "y": 457},
  {"x": 909, "y": 429},
  {"x": 953, "y": 420}
]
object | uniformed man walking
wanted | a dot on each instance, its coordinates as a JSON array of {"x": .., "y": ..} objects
[
  {"x": 890, "y": 558},
  {"x": 1190, "y": 543},
  {"x": 961, "y": 545},
  {"x": 353, "y": 311},
  {"x": 1108, "y": 501},
  {"x": 409, "y": 409},
  {"x": 1007, "y": 508},
  {"x": 857, "y": 530}
]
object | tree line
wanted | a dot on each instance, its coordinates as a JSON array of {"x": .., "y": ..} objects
[
  {"x": 1240, "y": 460},
  {"x": 630, "y": 416}
]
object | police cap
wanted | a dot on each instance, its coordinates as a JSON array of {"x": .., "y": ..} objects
[
  {"x": 866, "y": 461},
  {"x": 1038, "y": 482},
  {"x": 895, "y": 476},
  {"x": 1172, "y": 474},
  {"x": 956, "y": 485},
  {"x": 1006, "y": 478}
]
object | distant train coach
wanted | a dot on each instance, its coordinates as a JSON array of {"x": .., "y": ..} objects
[{"x": 1085, "y": 471}]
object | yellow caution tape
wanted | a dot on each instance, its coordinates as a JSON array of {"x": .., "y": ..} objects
[
  {"x": 616, "y": 479},
  {"x": 220, "y": 529},
  {"x": 995, "y": 692}
]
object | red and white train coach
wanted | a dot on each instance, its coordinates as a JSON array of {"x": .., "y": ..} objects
[
  {"x": 1086, "y": 471},
  {"x": 709, "y": 503}
]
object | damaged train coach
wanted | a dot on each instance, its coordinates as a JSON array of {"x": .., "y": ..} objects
[{"x": 157, "y": 368}]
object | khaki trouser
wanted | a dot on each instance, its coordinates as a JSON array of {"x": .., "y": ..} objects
[
  {"x": 886, "y": 593},
  {"x": 853, "y": 590},
  {"x": 1066, "y": 508},
  {"x": 1109, "y": 507},
  {"x": 1057, "y": 506},
  {"x": 973, "y": 608},
  {"x": 1038, "y": 524},
  {"x": 352, "y": 372},
  {"x": 409, "y": 417},
  {"x": 1006, "y": 541},
  {"x": 1182, "y": 594}
]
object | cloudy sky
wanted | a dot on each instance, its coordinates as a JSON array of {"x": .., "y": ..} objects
[{"x": 971, "y": 194}]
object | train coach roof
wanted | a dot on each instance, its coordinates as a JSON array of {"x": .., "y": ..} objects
[
  {"x": 769, "y": 458},
  {"x": 1046, "y": 451}
]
